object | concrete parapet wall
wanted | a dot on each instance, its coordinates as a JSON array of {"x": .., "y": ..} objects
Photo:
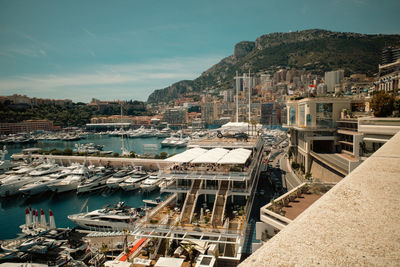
[
  {"x": 324, "y": 173},
  {"x": 356, "y": 223}
]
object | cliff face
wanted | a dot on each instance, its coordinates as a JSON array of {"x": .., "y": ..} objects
[
  {"x": 242, "y": 49},
  {"x": 315, "y": 50}
]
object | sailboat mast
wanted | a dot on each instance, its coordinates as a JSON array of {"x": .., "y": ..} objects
[
  {"x": 237, "y": 96},
  {"x": 122, "y": 135},
  {"x": 250, "y": 84}
]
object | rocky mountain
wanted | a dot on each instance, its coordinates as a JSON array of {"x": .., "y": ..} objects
[{"x": 314, "y": 50}]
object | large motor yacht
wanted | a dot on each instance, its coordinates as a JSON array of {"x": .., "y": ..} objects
[
  {"x": 71, "y": 182},
  {"x": 44, "y": 169},
  {"x": 37, "y": 187},
  {"x": 12, "y": 183},
  {"x": 133, "y": 182},
  {"x": 118, "y": 177},
  {"x": 96, "y": 182},
  {"x": 116, "y": 217},
  {"x": 150, "y": 184}
]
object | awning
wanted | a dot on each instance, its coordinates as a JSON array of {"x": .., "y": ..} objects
[
  {"x": 211, "y": 156},
  {"x": 187, "y": 155},
  {"x": 235, "y": 156}
]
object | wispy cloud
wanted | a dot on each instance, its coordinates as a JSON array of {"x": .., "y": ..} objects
[
  {"x": 91, "y": 34},
  {"x": 22, "y": 51},
  {"x": 127, "y": 81}
]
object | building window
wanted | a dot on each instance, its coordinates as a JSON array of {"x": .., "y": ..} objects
[
  {"x": 324, "y": 116},
  {"x": 292, "y": 116},
  {"x": 302, "y": 115},
  {"x": 308, "y": 120}
]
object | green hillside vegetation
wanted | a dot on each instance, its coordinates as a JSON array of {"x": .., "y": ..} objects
[
  {"x": 74, "y": 114},
  {"x": 314, "y": 50}
]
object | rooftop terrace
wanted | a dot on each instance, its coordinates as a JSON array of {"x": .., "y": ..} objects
[{"x": 355, "y": 223}]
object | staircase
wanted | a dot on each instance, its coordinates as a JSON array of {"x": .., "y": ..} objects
[
  {"x": 230, "y": 249},
  {"x": 219, "y": 204},
  {"x": 190, "y": 202}
]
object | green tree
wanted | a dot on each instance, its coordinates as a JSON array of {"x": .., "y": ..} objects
[
  {"x": 382, "y": 104},
  {"x": 115, "y": 154},
  {"x": 163, "y": 155},
  {"x": 68, "y": 151}
]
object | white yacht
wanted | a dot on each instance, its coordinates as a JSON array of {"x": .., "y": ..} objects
[
  {"x": 164, "y": 183},
  {"x": 151, "y": 183},
  {"x": 175, "y": 140},
  {"x": 166, "y": 132},
  {"x": 117, "y": 178},
  {"x": 5, "y": 165},
  {"x": 182, "y": 142},
  {"x": 116, "y": 217},
  {"x": 133, "y": 182},
  {"x": 38, "y": 186},
  {"x": 169, "y": 141},
  {"x": 96, "y": 182},
  {"x": 24, "y": 170},
  {"x": 44, "y": 169},
  {"x": 62, "y": 173},
  {"x": 71, "y": 182},
  {"x": 12, "y": 183}
]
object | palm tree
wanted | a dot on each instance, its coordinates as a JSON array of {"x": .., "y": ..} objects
[
  {"x": 104, "y": 249},
  {"x": 189, "y": 247},
  {"x": 125, "y": 242}
]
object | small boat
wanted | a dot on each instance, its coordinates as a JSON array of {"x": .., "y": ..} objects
[{"x": 152, "y": 202}]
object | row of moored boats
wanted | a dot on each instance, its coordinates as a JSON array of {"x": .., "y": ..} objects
[{"x": 36, "y": 178}]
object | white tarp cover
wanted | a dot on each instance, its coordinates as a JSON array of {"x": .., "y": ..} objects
[
  {"x": 235, "y": 156},
  {"x": 169, "y": 262},
  {"x": 211, "y": 156},
  {"x": 187, "y": 155},
  {"x": 239, "y": 127}
]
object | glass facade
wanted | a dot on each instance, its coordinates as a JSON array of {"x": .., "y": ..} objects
[
  {"x": 302, "y": 115},
  {"x": 324, "y": 116},
  {"x": 308, "y": 120},
  {"x": 292, "y": 116}
]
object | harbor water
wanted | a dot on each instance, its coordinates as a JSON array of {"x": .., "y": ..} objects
[
  {"x": 111, "y": 143},
  {"x": 12, "y": 209}
]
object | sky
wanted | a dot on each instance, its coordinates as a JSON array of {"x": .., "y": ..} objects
[{"x": 125, "y": 50}]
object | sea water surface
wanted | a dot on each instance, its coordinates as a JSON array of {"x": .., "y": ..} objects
[
  {"x": 112, "y": 143},
  {"x": 12, "y": 209}
]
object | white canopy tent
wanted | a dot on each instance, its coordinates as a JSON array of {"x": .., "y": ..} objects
[
  {"x": 211, "y": 156},
  {"x": 239, "y": 127},
  {"x": 187, "y": 155},
  {"x": 235, "y": 156}
]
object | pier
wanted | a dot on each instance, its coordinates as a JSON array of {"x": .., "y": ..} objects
[{"x": 148, "y": 164}]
